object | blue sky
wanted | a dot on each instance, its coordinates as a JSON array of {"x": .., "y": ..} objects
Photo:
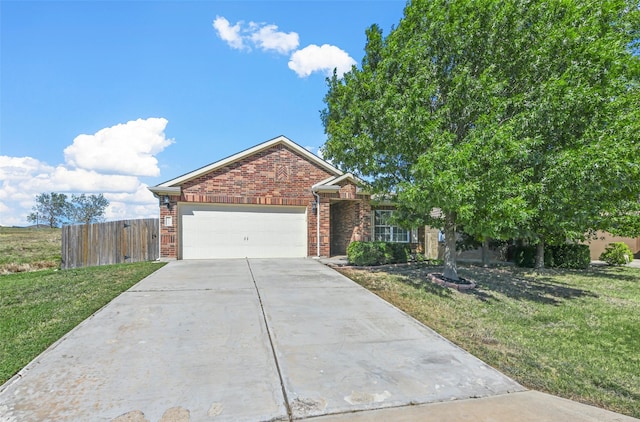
[{"x": 111, "y": 97}]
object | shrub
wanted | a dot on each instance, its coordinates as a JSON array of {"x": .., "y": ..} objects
[
  {"x": 570, "y": 255},
  {"x": 525, "y": 256},
  {"x": 400, "y": 252},
  {"x": 617, "y": 253},
  {"x": 377, "y": 253},
  {"x": 363, "y": 253}
]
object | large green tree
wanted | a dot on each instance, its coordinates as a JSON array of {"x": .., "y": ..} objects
[{"x": 488, "y": 114}]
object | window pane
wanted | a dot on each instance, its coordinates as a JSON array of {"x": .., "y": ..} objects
[
  {"x": 384, "y": 231},
  {"x": 382, "y": 217},
  {"x": 400, "y": 235}
]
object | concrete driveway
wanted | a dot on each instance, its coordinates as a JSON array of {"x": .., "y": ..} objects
[{"x": 250, "y": 340}]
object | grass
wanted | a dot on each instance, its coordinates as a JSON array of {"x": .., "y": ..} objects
[
  {"x": 574, "y": 334},
  {"x": 29, "y": 249},
  {"x": 39, "y": 307}
]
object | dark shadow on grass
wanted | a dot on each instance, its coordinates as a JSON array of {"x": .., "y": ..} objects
[
  {"x": 613, "y": 273},
  {"x": 415, "y": 276},
  {"x": 482, "y": 295},
  {"x": 539, "y": 288},
  {"x": 511, "y": 282},
  {"x": 428, "y": 287}
]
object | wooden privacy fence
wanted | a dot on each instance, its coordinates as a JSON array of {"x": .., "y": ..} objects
[{"x": 114, "y": 242}]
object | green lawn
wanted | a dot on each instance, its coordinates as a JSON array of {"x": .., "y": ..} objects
[
  {"x": 575, "y": 334},
  {"x": 37, "y": 308}
]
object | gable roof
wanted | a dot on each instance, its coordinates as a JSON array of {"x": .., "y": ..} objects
[
  {"x": 332, "y": 183},
  {"x": 246, "y": 153}
]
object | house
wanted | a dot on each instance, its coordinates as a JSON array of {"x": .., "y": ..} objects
[
  {"x": 275, "y": 199},
  {"x": 603, "y": 239}
]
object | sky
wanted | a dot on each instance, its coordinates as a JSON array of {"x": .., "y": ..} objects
[{"x": 110, "y": 97}]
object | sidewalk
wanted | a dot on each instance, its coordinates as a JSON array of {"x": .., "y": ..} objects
[
  {"x": 633, "y": 264},
  {"x": 527, "y": 406}
]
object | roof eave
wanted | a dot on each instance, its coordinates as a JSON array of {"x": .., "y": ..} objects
[
  {"x": 165, "y": 190},
  {"x": 326, "y": 188},
  {"x": 248, "y": 152}
]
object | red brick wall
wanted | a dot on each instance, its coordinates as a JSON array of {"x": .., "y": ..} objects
[
  {"x": 276, "y": 176},
  {"x": 345, "y": 216},
  {"x": 325, "y": 225},
  {"x": 169, "y": 234}
]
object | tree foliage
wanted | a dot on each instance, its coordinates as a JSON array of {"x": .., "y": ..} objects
[
  {"x": 51, "y": 208},
  {"x": 87, "y": 209},
  {"x": 56, "y": 209},
  {"x": 515, "y": 118}
]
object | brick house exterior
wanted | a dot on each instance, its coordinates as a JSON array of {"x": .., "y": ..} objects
[{"x": 276, "y": 176}]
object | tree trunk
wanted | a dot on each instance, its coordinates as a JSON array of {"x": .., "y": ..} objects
[
  {"x": 485, "y": 252},
  {"x": 540, "y": 255},
  {"x": 450, "y": 267}
]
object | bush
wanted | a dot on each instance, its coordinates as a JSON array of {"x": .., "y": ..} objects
[
  {"x": 617, "y": 253},
  {"x": 570, "y": 256},
  {"x": 377, "y": 253},
  {"x": 400, "y": 252},
  {"x": 525, "y": 256},
  {"x": 365, "y": 253}
]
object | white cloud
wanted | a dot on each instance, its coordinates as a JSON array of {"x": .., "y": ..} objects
[
  {"x": 266, "y": 37},
  {"x": 141, "y": 203},
  {"x": 263, "y": 36},
  {"x": 21, "y": 168},
  {"x": 109, "y": 162},
  {"x": 81, "y": 180},
  {"x": 228, "y": 33},
  {"x": 121, "y": 149},
  {"x": 269, "y": 38},
  {"x": 323, "y": 59}
]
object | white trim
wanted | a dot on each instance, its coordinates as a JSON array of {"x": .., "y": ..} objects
[
  {"x": 160, "y": 191},
  {"x": 248, "y": 152},
  {"x": 347, "y": 176},
  {"x": 334, "y": 180},
  {"x": 317, "y": 223},
  {"x": 325, "y": 181},
  {"x": 392, "y": 228},
  {"x": 326, "y": 188}
]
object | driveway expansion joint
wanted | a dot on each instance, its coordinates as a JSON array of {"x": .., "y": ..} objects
[{"x": 273, "y": 350}]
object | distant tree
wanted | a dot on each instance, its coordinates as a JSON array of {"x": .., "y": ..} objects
[
  {"x": 87, "y": 209},
  {"x": 51, "y": 208}
]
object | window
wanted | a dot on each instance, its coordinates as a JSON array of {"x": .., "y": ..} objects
[{"x": 384, "y": 231}]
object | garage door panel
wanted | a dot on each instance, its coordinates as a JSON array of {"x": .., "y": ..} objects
[{"x": 217, "y": 231}]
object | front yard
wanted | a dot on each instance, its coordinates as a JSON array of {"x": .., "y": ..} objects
[
  {"x": 39, "y": 307},
  {"x": 575, "y": 334}
]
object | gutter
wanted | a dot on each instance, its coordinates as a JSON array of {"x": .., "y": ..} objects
[
  {"x": 314, "y": 191},
  {"x": 326, "y": 188},
  {"x": 159, "y": 191}
]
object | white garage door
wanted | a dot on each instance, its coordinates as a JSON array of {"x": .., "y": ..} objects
[{"x": 238, "y": 231}]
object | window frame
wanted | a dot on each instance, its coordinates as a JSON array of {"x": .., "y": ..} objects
[{"x": 391, "y": 232}]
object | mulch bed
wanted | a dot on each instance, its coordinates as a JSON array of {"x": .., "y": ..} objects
[{"x": 462, "y": 284}]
